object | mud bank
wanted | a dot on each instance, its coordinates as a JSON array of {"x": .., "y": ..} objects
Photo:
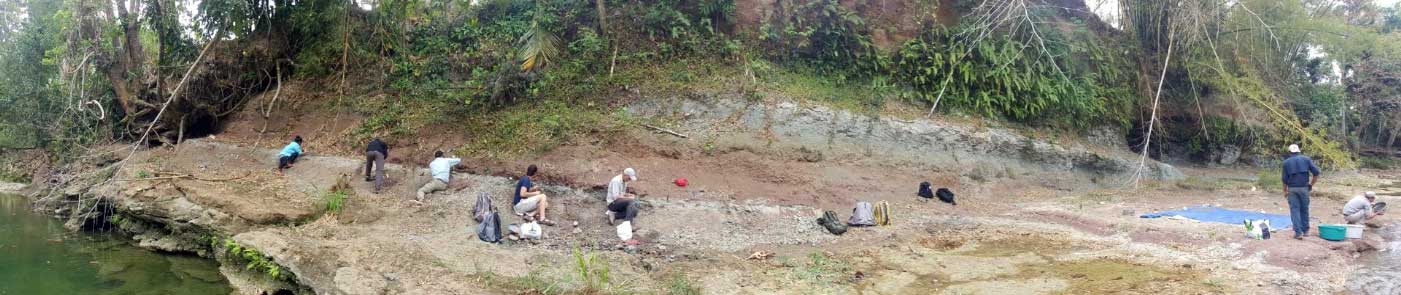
[{"x": 821, "y": 133}]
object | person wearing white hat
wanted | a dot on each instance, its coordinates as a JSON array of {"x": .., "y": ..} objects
[
  {"x": 1295, "y": 174},
  {"x": 1360, "y": 208},
  {"x": 618, "y": 198}
]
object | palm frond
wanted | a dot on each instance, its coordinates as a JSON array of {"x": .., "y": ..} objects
[{"x": 538, "y": 47}]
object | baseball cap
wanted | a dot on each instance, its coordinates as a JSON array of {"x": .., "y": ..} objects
[
  {"x": 630, "y": 173},
  {"x": 1293, "y": 148}
]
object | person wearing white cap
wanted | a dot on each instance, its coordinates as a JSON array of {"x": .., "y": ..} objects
[
  {"x": 1297, "y": 185},
  {"x": 1360, "y": 208},
  {"x": 619, "y": 200}
]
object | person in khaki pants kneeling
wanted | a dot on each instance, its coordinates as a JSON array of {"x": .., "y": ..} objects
[{"x": 441, "y": 169}]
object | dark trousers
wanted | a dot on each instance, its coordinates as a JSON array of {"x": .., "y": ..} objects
[
  {"x": 374, "y": 161},
  {"x": 627, "y": 207},
  {"x": 284, "y": 161},
  {"x": 1299, "y": 209}
]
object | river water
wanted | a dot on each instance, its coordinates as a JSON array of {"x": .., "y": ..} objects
[
  {"x": 1381, "y": 271},
  {"x": 38, "y": 256}
]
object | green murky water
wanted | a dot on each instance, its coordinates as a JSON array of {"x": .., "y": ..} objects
[{"x": 37, "y": 256}]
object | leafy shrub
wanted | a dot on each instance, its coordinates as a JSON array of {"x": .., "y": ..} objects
[
  {"x": 251, "y": 258},
  {"x": 826, "y": 35},
  {"x": 687, "y": 27},
  {"x": 1001, "y": 78},
  {"x": 1379, "y": 163}
]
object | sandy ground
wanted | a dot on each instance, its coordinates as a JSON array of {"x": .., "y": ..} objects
[{"x": 1009, "y": 236}]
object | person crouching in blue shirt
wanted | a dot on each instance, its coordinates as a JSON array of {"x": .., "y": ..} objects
[
  {"x": 289, "y": 155},
  {"x": 1297, "y": 184}
]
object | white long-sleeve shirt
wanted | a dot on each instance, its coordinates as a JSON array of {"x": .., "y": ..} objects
[{"x": 441, "y": 168}]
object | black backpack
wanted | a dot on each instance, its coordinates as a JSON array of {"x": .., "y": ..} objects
[
  {"x": 946, "y": 196},
  {"x": 924, "y": 191},
  {"x": 830, "y": 221},
  {"x": 490, "y": 229}
]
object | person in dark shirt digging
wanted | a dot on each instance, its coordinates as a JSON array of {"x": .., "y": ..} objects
[{"x": 375, "y": 153}]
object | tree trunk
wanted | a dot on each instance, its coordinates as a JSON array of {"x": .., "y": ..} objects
[
  {"x": 89, "y": 30},
  {"x": 1381, "y": 125},
  {"x": 1390, "y": 142},
  {"x": 602, "y": 19},
  {"x": 131, "y": 28}
]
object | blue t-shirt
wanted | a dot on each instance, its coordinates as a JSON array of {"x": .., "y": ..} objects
[
  {"x": 292, "y": 149},
  {"x": 1297, "y": 170},
  {"x": 523, "y": 183}
]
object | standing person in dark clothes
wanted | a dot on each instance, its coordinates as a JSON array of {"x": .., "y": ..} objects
[
  {"x": 1297, "y": 185},
  {"x": 289, "y": 154},
  {"x": 375, "y": 153}
]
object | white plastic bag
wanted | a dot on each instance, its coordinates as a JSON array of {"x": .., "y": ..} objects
[
  {"x": 532, "y": 230},
  {"x": 625, "y": 231},
  {"x": 1256, "y": 229}
]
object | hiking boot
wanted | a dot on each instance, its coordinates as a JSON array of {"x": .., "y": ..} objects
[{"x": 609, "y": 216}]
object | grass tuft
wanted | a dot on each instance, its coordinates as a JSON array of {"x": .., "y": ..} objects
[{"x": 681, "y": 286}]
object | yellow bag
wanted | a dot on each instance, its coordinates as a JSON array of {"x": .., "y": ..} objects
[{"x": 882, "y": 213}]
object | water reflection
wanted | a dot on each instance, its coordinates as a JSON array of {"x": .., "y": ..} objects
[{"x": 38, "y": 256}]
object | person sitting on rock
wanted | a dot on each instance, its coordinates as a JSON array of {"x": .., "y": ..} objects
[
  {"x": 529, "y": 201},
  {"x": 619, "y": 200},
  {"x": 441, "y": 169},
  {"x": 1360, "y": 208},
  {"x": 375, "y": 153},
  {"x": 289, "y": 154}
]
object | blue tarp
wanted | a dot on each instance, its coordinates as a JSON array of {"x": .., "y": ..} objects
[{"x": 1214, "y": 214}]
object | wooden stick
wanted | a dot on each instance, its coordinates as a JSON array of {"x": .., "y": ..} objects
[
  {"x": 157, "y": 178},
  {"x": 665, "y": 130},
  {"x": 190, "y": 176},
  {"x": 614, "y": 61}
]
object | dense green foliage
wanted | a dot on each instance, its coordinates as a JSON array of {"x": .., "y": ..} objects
[
  {"x": 999, "y": 78},
  {"x": 1248, "y": 75}
]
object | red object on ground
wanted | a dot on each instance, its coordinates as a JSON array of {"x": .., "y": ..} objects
[{"x": 681, "y": 182}]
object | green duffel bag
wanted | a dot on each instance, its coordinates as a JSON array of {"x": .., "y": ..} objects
[{"x": 830, "y": 221}]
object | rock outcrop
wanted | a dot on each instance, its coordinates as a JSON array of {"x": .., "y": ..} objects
[{"x": 973, "y": 151}]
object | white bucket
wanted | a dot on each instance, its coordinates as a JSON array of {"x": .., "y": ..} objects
[{"x": 1353, "y": 231}]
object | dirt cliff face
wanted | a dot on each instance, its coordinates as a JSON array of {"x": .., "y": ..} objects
[{"x": 890, "y": 22}]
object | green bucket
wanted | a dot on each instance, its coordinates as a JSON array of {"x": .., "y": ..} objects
[{"x": 1332, "y": 232}]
